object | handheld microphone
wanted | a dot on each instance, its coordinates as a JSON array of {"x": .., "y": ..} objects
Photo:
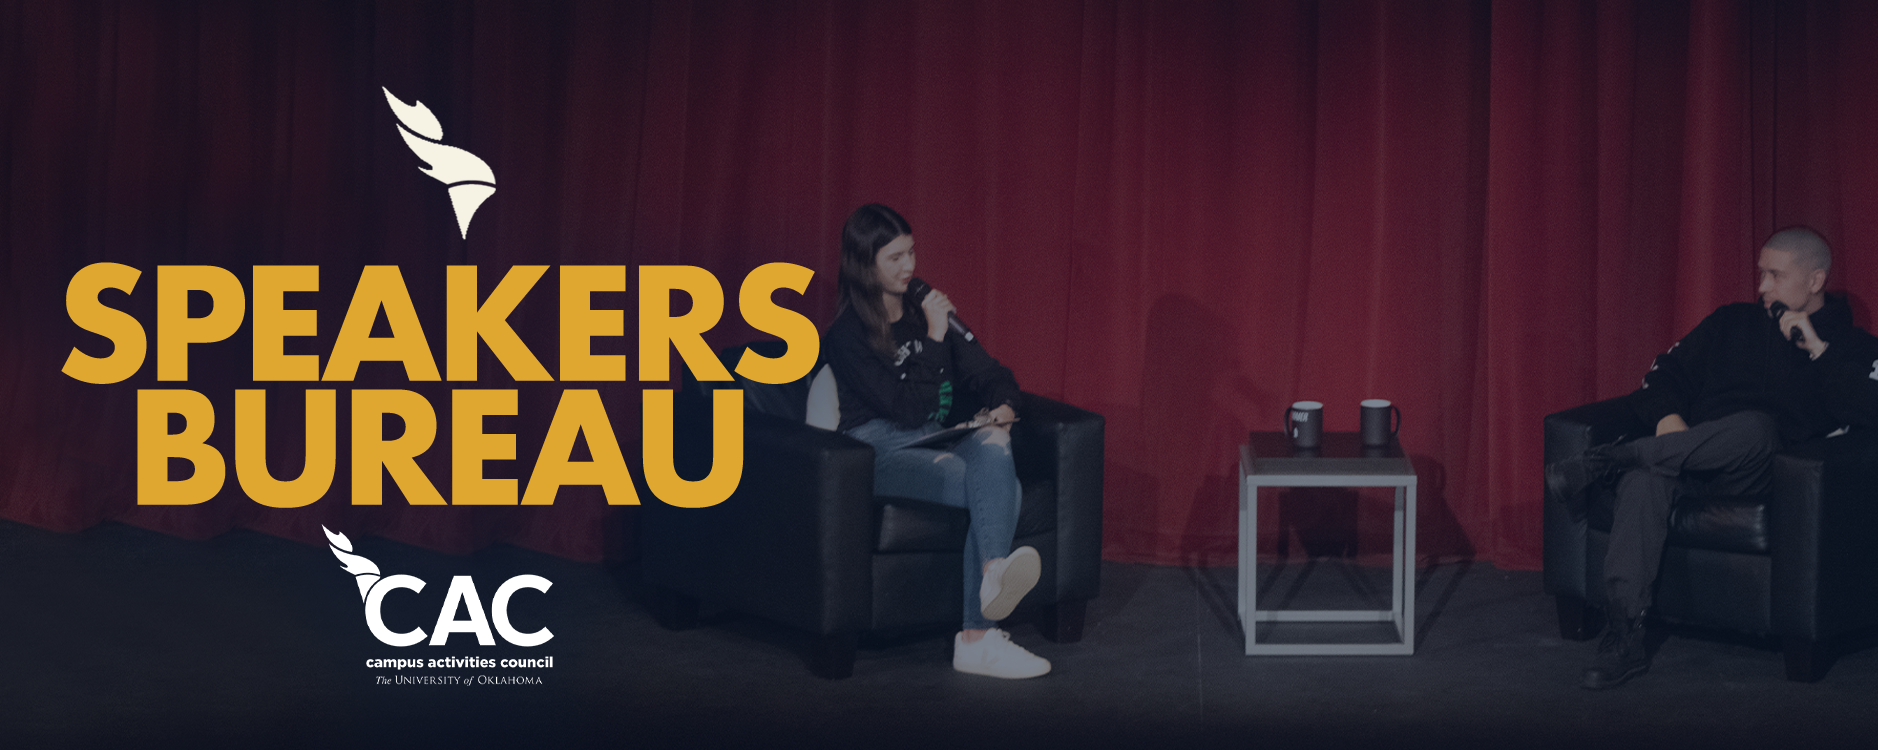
[
  {"x": 917, "y": 289},
  {"x": 1778, "y": 309}
]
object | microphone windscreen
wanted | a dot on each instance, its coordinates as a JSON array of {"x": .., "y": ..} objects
[
  {"x": 1778, "y": 309},
  {"x": 916, "y": 290}
]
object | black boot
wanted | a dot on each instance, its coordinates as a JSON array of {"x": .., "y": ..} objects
[
  {"x": 1570, "y": 480},
  {"x": 1621, "y": 653}
]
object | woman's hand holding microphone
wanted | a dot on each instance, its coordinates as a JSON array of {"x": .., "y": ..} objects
[
  {"x": 937, "y": 308},
  {"x": 940, "y": 317}
]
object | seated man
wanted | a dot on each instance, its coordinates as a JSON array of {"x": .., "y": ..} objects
[{"x": 1724, "y": 399}]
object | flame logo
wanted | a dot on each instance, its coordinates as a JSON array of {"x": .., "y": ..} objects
[
  {"x": 466, "y": 175},
  {"x": 365, "y": 570}
]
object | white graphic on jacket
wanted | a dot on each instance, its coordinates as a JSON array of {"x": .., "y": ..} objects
[
  {"x": 910, "y": 348},
  {"x": 907, "y": 349},
  {"x": 1672, "y": 347}
]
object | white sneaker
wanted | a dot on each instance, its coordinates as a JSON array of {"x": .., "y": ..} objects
[
  {"x": 1006, "y": 582},
  {"x": 996, "y": 656}
]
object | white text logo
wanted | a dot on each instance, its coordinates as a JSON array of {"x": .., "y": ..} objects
[{"x": 373, "y": 588}]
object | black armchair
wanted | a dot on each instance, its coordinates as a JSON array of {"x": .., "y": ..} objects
[
  {"x": 805, "y": 542},
  {"x": 1799, "y": 564}
]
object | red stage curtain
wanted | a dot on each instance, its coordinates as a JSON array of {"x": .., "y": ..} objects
[{"x": 1181, "y": 215}]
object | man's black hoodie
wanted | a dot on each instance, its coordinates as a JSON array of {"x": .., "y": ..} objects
[{"x": 1737, "y": 360}]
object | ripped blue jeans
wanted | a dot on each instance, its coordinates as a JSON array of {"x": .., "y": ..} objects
[{"x": 976, "y": 474}]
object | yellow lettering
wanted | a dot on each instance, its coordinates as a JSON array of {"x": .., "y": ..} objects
[
  {"x": 685, "y": 333},
  {"x": 370, "y": 449},
  {"x": 489, "y": 322},
  {"x": 470, "y": 447},
  {"x": 273, "y": 323},
  {"x": 251, "y": 450},
  {"x": 176, "y": 330},
  {"x": 581, "y": 413},
  {"x": 381, "y": 287},
  {"x": 156, "y": 446},
  {"x": 580, "y": 323},
  {"x": 763, "y": 314},
  {"x": 726, "y": 450},
  {"x": 90, "y": 313}
]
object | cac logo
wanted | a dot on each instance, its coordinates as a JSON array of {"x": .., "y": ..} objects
[{"x": 373, "y": 588}]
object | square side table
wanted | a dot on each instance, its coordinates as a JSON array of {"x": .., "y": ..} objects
[{"x": 1268, "y": 460}]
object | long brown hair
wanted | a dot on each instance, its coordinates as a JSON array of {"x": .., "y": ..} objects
[{"x": 868, "y": 230}]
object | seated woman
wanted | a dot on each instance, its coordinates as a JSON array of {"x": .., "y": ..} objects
[{"x": 898, "y": 369}]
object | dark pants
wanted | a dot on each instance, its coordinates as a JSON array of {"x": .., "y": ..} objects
[{"x": 1726, "y": 456}]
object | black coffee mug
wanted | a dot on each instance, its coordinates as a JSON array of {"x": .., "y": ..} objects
[
  {"x": 1304, "y": 424},
  {"x": 1377, "y": 426}
]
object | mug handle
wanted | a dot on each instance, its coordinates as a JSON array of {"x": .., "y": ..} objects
[
  {"x": 1396, "y": 411},
  {"x": 1289, "y": 430}
]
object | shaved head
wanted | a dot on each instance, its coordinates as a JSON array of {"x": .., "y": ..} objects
[{"x": 1809, "y": 249}]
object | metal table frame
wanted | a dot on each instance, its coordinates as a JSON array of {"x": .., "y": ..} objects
[{"x": 1402, "y": 610}]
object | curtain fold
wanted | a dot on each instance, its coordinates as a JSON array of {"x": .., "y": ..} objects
[{"x": 1183, "y": 216}]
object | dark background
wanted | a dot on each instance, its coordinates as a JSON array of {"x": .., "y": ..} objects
[{"x": 1180, "y": 215}]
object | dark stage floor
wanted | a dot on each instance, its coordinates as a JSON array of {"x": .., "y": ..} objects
[{"x": 122, "y": 637}]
